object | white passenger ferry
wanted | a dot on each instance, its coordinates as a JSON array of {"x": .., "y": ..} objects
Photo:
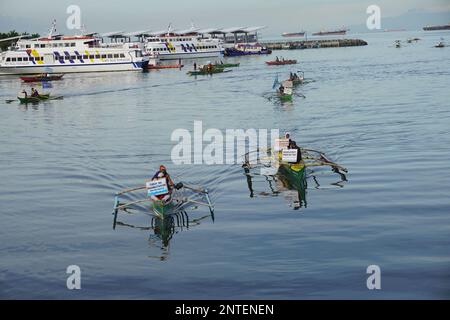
[
  {"x": 188, "y": 44},
  {"x": 60, "y": 54}
]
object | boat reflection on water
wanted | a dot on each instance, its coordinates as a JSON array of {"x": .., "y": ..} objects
[
  {"x": 278, "y": 185},
  {"x": 162, "y": 229}
]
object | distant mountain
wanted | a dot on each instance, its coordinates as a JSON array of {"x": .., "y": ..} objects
[{"x": 412, "y": 20}]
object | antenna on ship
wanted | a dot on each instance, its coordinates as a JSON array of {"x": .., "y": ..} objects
[
  {"x": 83, "y": 29},
  {"x": 52, "y": 29},
  {"x": 169, "y": 29}
]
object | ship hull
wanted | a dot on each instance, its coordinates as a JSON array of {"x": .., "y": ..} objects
[
  {"x": 71, "y": 68},
  {"x": 190, "y": 55},
  {"x": 437, "y": 28},
  {"x": 330, "y": 33},
  {"x": 293, "y": 35}
]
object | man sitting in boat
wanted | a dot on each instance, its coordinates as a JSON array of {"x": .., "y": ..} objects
[
  {"x": 281, "y": 89},
  {"x": 34, "y": 92},
  {"x": 162, "y": 173}
]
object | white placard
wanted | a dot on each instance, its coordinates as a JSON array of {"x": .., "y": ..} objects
[
  {"x": 281, "y": 144},
  {"x": 289, "y": 155},
  {"x": 157, "y": 187}
]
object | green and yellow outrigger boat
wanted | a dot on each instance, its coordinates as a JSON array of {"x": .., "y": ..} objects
[
  {"x": 182, "y": 196},
  {"x": 269, "y": 162}
]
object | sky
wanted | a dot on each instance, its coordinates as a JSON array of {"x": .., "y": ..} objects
[{"x": 131, "y": 15}]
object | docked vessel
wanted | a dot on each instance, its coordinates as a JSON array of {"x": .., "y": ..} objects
[
  {"x": 62, "y": 54},
  {"x": 339, "y": 32},
  {"x": 244, "y": 49},
  {"x": 293, "y": 34},
  {"x": 435, "y": 28},
  {"x": 188, "y": 44}
]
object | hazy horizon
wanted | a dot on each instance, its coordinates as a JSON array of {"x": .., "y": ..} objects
[{"x": 280, "y": 16}]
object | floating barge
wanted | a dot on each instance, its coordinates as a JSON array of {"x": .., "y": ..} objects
[{"x": 312, "y": 44}]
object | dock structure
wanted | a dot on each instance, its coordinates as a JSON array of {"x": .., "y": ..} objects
[{"x": 312, "y": 44}]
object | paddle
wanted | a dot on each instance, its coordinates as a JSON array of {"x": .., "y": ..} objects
[{"x": 9, "y": 101}]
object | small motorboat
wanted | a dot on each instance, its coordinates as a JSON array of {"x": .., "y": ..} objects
[
  {"x": 441, "y": 44},
  {"x": 42, "y": 77},
  {"x": 280, "y": 62}
]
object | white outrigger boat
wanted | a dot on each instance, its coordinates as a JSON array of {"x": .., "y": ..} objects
[{"x": 180, "y": 199}]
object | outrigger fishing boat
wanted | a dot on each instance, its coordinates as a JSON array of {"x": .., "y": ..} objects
[
  {"x": 283, "y": 161},
  {"x": 280, "y": 62},
  {"x": 207, "y": 70},
  {"x": 42, "y": 77},
  {"x": 39, "y": 98},
  {"x": 297, "y": 79},
  {"x": 182, "y": 196}
]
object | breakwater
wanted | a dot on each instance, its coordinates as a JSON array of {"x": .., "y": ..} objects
[{"x": 311, "y": 44}]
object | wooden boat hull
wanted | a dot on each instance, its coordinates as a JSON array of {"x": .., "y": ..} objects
[
  {"x": 295, "y": 174},
  {"x": 34, "y": 99},
  {"x": 161, "y": 208},
  {"x": 281, "y": 63},
  {"x": 227, "y": 65},
  {"x": 40, "y": 78},
  {"x": 158, "y": 67},
  {"x": 285, "y": 97},
  {"x": 204, "y": 73}
]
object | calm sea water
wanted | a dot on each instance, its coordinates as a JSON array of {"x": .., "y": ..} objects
[{"x": 382, "y": 112}]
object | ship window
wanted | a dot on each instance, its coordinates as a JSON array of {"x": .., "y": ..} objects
[
  {"x": 8, "y": 59},
  {"x": 116, "y": 55},
  {"x": 25, "y": 59},
  {"x": 66, "y": 58},
  {"x": 36, "y": 45},
  {"x": 97, "y": 56},
  {"x": 85, "y": 57},
  {"x": 66, "y": 45},
  {"x": 79, "y": 57},
  {"x": 42, "y": 45},
  {"x": 13, "y": 59},
  {"x": 61, "y": 44},
  {"x": 19, "y": 59},
  {"x": 28, "y": 46},
  {"x": 110, "y": 56},
  {"x": 31, "y": 59},
  {"x": 122, "y": 55},
  {"x": 73, "y": 57},
  {"x": 72, "y": 44},
  {"x": 103, "y": 56}
]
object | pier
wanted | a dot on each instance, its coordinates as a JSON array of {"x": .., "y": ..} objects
[{"x": 312, "y": 44}]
